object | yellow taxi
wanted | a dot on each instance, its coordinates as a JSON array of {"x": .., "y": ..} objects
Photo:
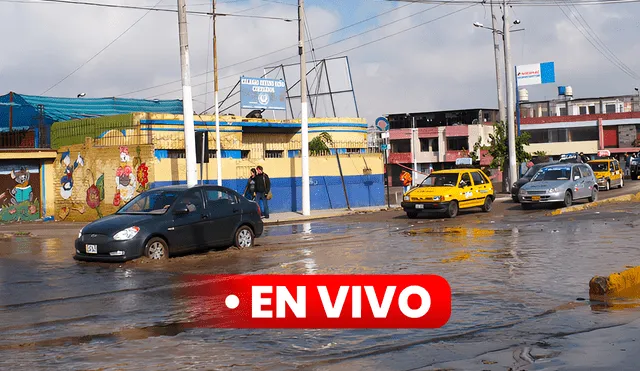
[
  {"x": 449, "y": 191},
  {"x": 607, "y": 171}
]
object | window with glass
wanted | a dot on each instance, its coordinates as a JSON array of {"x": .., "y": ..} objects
[
  {"x": 610, "y": 108},
  {"x": 477, "y": 178},
  {"x": 457, "y": 143},
  {"x": 552, "y": 173},
  {"x": 440, "y": 180},
  {"x": 466, "y": 179},
  {"x": 150, "y": 202},
  {"x": 400, "y": 146},
  {"x": 599, "y": 166},
  {"x": 583, "y": 134}
]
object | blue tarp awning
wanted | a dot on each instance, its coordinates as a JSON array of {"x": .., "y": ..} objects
[{"x": 26, "y": 108}]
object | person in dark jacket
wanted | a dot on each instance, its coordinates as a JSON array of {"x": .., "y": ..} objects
[
  {"x": 263, "y": 186},
  {"x": 250, "y": 189}
]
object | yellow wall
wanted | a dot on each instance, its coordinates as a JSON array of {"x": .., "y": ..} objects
[
  {"x": 94, "y": 163},
  {"x": 48, "y": 188},
  {"x": 352, "y": 164},
  {"x": 556, "y": 149}
]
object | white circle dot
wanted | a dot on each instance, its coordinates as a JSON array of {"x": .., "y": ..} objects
[{"x": 232, "y": 301}]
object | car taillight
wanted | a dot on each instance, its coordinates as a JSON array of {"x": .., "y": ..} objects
[{"x": 258, "y": 207}]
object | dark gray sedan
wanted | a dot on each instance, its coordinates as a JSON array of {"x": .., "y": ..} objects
[
  {"x": 515, "y": 188},
  {"x": 560, "y": 183},
  {"x": 168, "y": 220}
]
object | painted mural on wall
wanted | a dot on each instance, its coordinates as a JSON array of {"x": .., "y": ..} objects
[
  {"x": 100, "y": 179},
  {"x": 66, "y": 181},
  {"x": 20, "y": 186}
]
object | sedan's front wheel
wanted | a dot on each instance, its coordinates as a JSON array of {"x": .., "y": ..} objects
[
  {"x": 244, "y": 237},
  {"x": 156, "y": 249},
  {"x": 568, "y": 199}
]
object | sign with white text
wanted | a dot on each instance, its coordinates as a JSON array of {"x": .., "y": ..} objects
[
  {"x": 318, "y": 301},
  {"x": 258, "y": 93},
  {"x": 535, "y": 74}
]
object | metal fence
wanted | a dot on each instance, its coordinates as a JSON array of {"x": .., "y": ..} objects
[{"x": 36, "y": 137}]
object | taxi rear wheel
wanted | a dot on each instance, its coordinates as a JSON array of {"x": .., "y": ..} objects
[
  {"x": 452, "y": 209},
  {"x": 488, "y": 203}
]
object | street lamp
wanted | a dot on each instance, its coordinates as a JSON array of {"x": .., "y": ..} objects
[{"x": 82, "y": 95}]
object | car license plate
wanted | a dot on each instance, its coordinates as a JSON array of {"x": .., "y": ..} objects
[
  {"x": 92, "y": 249},
  {"x": 535, "y": 198},
  {"x": 419, "y": 206}
]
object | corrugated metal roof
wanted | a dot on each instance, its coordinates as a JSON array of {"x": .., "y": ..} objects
[{"x": 26, "y": 111}]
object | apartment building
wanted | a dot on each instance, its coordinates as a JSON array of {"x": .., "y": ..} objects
[
  {"x": 436, "y": 139},
  {"x": 583, "y": 125}
]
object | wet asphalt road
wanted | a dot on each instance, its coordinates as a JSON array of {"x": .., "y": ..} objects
[{"x": 516, "y": 278}]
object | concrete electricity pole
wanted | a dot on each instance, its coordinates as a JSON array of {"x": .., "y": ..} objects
[
  {"x": 306, "y": 193},
  {"x": 187, "y": 98},
  {"x": 509, "y": 73},
  {"x": 496, "y": 54},
  {"x": 215, "y": 97}
]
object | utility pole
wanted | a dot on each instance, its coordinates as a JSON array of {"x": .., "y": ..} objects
[
  {"x": 496, "y": 54},
  {"x": 306, "y": 194},
  {"x": 215, "y": 97},
  {"x": 508, "y": 69},
  {"x": 414, "y": 150},
  {"x": 187, "y": 98}
]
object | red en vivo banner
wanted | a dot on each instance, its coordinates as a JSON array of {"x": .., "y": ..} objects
[{"x": 318, "y": 301}]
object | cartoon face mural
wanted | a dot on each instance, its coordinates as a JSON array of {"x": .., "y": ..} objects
[
  {"x": 66, "y": 181},
  {"x": 126, "y": 180},
  {"x": 21, "y": 184}
]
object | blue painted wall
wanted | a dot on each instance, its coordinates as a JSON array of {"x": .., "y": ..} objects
[{"x": 326, "y": 191}]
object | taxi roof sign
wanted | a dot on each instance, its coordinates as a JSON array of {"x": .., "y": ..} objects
[
  {"x": 604, "y": 153},
  {"x": 464, "y": 161}
]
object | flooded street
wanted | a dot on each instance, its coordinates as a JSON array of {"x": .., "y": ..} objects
[{"x": 519, "y": 282}]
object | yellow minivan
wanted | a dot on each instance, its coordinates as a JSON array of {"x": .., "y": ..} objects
[
  {"x": 608, "y": 173},
  {"x": 449, "y": 191}
]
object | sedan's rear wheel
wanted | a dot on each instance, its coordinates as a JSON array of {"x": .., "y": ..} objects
[
  {"x": 244, "y": 237},
  {"x": 594, "y": 195},
  {"x": 156, "y": 249}
]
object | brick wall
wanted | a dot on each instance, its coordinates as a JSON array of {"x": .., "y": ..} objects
[
  {"x": 626, "y": 135},
  {"x": 114, "y": 174}
]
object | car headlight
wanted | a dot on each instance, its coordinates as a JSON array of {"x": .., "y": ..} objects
[
  {"x": 80, "y": 233},
  {"x": 437, "y": 198},
  {"x": 515, "y": 185},
  {"x": 126, "y": 234},
  {"x": 523, "y": 192},
  {"x": 406, "y": 198},
  {"x": 553, "y": 190}
]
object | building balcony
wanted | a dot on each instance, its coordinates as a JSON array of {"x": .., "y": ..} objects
[
  {"x": 399, "y": 134},
  {"x": 23, "y": 138},
  {"x": 457, "y": 131},
  {"x": 400, "y": 158}
]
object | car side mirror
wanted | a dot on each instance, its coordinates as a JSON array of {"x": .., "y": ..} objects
[{"x": 181, "y": 209}]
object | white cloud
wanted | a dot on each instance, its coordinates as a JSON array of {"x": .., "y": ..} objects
[{"x": 446, "y": 64}]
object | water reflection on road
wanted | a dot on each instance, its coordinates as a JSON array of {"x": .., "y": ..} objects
[{"x": 513, "y": 281}]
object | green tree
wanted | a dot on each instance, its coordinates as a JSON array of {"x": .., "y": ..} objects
[
  {"x": 499, "y": 147},
  {"x": 320, "y": 144}
]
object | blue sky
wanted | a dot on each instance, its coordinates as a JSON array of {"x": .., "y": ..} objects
[{"x": 445, "y": 64}]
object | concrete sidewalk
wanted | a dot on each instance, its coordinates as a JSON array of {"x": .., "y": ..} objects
[{"x": 294, "y": 216}]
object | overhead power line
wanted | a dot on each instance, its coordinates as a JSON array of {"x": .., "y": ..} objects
[
  {"x": 521, "y": 2},
  {"x": 117, "y": 6},
  {"x": 101, "y": 50},
  {"x": 376, "y": 28},
  {"x": 361, "y": 45},
  {"x": 596, "y": 42}
]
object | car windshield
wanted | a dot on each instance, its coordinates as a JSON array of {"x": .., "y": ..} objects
[
  {"x": 532, "y": 171},
  {"x": 151, "y": 202},
  {"x": 552, "y": 173},
  {"x": 440, "y": 180},
  {"x": 599, "y": 166}
]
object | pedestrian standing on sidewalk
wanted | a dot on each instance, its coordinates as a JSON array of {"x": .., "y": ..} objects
[
  {"x": 405, "y": 178},
  {"x": 263, "y": 187},
  {"x": 250, "y": 189}
]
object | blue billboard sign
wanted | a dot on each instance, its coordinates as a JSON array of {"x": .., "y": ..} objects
[{"x": 258, "y": 93}]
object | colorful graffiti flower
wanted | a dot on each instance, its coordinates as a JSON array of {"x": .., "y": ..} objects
[
  {"x": 117, "y": 199},
  {"x": 143, "y": 175},
  {"x": 93, "y": 196},
  {"x": 124, "y": 154}
]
